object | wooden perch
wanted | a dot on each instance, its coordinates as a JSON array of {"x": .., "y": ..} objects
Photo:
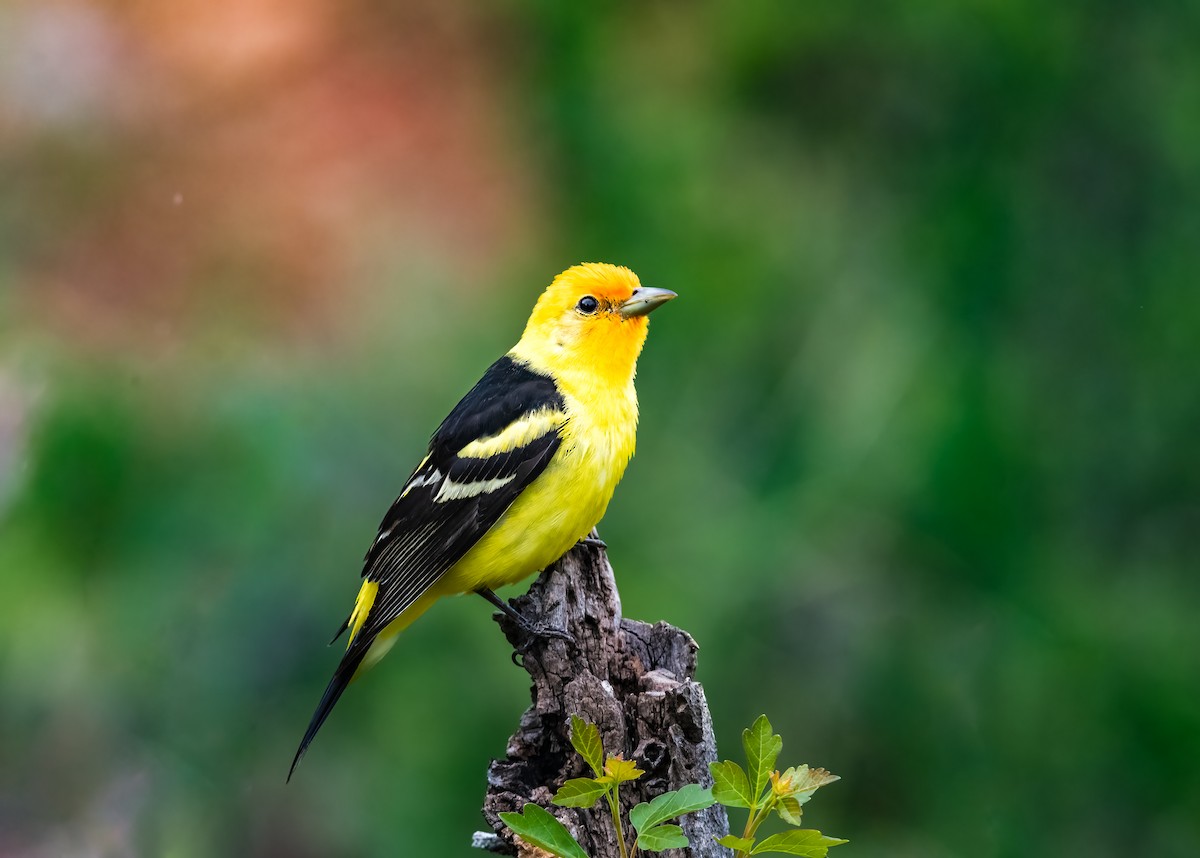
[{"x": 631, "y": 679}]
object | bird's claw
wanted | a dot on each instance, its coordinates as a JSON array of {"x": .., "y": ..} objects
[
  {"x": 533, "y": 632},
  {"x": 542, "y": 630},
  {"x": 546, "y": 631},
  {"x": 593, "y": 542}
]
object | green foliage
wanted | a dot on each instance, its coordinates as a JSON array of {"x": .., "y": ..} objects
[
  {"x": 669, "y": 805},
  {"x": 535, "y": 825},
  {"x": 649, "y": 819},
  {"x": 782, "y": 794},
  {"x": 810, "y": 844},
  {"x": 585, "y": 739},
  {"x": 762, "y": 749},
  {"x": 580, "y": 792},
  {"x": 731, "y": 787},
  {"x": 661, "y": 837},
  {"x": 765, "y": 791},
  {"x": 585, "y": 792},
  {"x": 742, "y": 844}
]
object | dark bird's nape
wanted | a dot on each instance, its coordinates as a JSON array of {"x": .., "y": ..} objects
[{"x": 341, "y": 678}]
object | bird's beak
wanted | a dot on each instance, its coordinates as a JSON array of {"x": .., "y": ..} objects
[{"x": 643, "y": 300}]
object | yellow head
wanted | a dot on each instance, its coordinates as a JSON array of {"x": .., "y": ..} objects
[{"x": 591, "y": 322}]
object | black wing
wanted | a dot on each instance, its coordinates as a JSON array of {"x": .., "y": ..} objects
[
  {"x": 495, "y": 442},
  {"x": 453, "y": 499}
]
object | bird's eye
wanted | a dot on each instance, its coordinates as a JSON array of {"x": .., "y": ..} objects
[{"x": 587, "y": 304}]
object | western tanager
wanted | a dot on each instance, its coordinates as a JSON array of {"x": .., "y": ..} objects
[{"x": 521, "y": 470}]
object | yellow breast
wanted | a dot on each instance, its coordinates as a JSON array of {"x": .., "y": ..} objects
[{"x": 565, "y": 502}]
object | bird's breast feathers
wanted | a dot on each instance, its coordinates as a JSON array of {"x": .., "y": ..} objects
[
  {"x": 565, "y": 501},
  {"x": 520, "y": 469}
]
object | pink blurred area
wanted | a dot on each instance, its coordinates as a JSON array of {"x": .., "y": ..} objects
[{"x": 192, "y": 162}]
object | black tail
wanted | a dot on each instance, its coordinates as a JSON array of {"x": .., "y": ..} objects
[
  {"x": 345, "y": 625},
  {"x": 341, "y": 678}
]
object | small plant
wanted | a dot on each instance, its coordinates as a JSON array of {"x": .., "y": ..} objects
[
  {"x": 649, "y": 820},
  {"x": 762, "y": 792}
]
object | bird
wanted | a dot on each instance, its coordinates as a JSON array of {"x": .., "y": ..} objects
[{"x": 521, "y": 470}]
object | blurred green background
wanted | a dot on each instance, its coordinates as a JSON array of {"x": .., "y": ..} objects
[{"x": 918, "y": 465}]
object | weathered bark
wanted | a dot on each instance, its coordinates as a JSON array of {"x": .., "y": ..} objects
[{"x": 631, "y": 679}]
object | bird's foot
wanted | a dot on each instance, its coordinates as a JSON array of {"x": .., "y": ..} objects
[
  {"x": 593, "y": 540},
  {"x": 539, "y": 631},
  {"x": 531, "y": 630}
]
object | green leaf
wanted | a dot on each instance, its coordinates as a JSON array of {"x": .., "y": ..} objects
[
  {"x": 805, "y": 843},
  {"x": 661, "y": 837},
  {"x": 579, "y": 792},
  {"x": 737, "y": 844},
  {"x": 762, "y": 750},
  {"x": 585, "y": 739},
  {"x": 670, "y": 805},
  {"x": 788, "y": 808},
  {"x": 731, "y": 787},
  {"x": 536, "y": 826}
]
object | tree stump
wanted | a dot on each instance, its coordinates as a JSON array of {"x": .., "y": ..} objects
[{"x": 633, "y": 680}]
